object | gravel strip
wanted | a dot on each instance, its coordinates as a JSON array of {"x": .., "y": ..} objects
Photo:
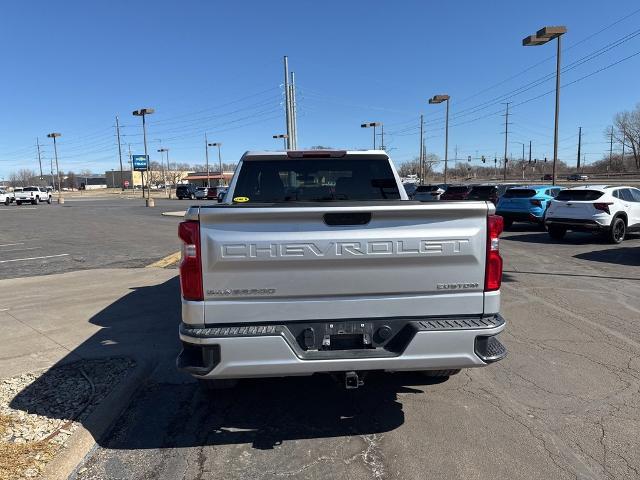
[{"x": 40, "y": 410}]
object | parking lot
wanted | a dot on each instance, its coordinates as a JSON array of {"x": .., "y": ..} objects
[
  {"x": 89, "y": 232},
  {"x": 564, "y": 404}
]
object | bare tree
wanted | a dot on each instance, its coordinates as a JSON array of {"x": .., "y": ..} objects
[
  {"x": 25, "y": 176},
  {"x": 627, "y": 131}
]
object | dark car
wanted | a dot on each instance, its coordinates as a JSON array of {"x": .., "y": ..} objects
[
  {"x": 187, "y": 190},
  {"x": 456, "y": 192},
  {"x": 548, "y": 176},
  {"x": 490, "y": 193},
  {"x": 410, "y": 188},
  {"x": 212, "y": 193}
]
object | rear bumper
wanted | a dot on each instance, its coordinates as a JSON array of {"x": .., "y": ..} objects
[
  {"x": 272, "y": 351},
  {"x": 576, "y": 224},
  {"x": 532, "y": 217}
]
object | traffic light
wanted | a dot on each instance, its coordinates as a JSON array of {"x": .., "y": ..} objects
[
  {"x": 483, "y": 159},
  {"x": 545, "y": 159},
  {"x": 469, "y": 158},
  {"x": 495, "y": 160}
]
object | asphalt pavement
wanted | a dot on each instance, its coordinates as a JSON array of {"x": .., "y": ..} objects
[
  {"x": 85, "y": 233},
  {"x": 564, "y": 404}
]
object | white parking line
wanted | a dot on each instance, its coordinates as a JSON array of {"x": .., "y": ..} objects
[
  {"x": 22, "y": 249},
  {"x": 11, "y": 244},
  {"x": 34, "y": 258},
  {"x": 17, "y": 209}
]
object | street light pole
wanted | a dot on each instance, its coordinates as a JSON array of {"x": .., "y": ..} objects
[
  {"x": 284, "y": 137},
  {"x": 439, "y": 99},
  {"x": 541, "y": 37},
  {"x": 164, "y": 174},
  {"x": 219, "y": 144},
  {"x": 374, "y": 125},
  {"x": 143, "y": 112},
  {"x": 55, "y": 153},
  {"x": 206, "y": 158}
]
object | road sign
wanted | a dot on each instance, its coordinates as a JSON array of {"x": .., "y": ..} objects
[{"x": 140, "y": 162}]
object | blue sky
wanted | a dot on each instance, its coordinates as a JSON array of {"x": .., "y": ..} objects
[{"x": 217, "y": 67}]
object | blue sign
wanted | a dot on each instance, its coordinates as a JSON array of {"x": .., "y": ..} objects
[{"x": 140, "y": 162}]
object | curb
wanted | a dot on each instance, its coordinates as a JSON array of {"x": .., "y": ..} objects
[
  {"x": 166, "y": 261},
  {"x": 84, "y": 439}
]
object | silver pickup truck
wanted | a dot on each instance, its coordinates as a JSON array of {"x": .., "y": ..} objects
[{"x": 317, "y": 262}]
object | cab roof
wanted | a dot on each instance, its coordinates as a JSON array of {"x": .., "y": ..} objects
[{"x": 301, "y": 154}]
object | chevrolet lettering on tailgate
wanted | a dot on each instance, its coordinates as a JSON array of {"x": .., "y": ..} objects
[{"x": 410, "y": 247}]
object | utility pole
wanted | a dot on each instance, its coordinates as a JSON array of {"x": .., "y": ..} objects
[
  {"x": 382, "y": 147},
  {"x": 39, "y": 158},
  {"x": 506, "y": 140},
  {"x": 529, "y": 151},
  {"x": 119, "y": 152},
  {"x": 579, "y": 146},
  {"x": 53, "y": 181},
  {"x": 611, "y": 149},
  {"x": 287, "y": 102},
  {"x": 421, "y": 170},
  {"x": 294, "y": 116}
]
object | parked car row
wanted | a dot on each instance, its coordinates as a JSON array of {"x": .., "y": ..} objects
[
  {"x": 32, "y": 195},
  {"x": 192, "y": 192},
  {"x": 611, "y": 210}
]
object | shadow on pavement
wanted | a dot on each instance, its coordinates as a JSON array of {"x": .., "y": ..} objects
[
  {"x": 261, "y": 412},
  {"x": 619, "y": 256},
  {"x": 171, "y": 410},
  {"x": 140, "y": 325}
]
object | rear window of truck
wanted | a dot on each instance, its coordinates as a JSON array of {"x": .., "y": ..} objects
[
  {"x": 578, "y": 195},
  {"x": 519, "y": 193},
  {"x": 317, "y": 180}
]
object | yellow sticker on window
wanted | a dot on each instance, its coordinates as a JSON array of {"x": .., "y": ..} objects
[{"x": 240, "y": 199}]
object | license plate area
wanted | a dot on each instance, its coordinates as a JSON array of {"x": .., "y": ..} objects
[{"x": 347, "y": 336}]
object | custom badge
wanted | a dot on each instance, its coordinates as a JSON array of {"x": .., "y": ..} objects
[{"x": 240, "y": 199}]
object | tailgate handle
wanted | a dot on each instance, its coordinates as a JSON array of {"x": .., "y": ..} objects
[{"x": 347, "y": 218}]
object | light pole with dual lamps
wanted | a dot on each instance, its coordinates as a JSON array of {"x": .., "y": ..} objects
[
  {"x": 218, "y": 144},
  {"x": 55, "y": 135},
  {"x": 143, "y": 112},
  {"x": 374, "y": 125},
  {"x": 284, "y": 137},
  {"x": 435, "y": 100},
  {"x": 541, "y": 37}
]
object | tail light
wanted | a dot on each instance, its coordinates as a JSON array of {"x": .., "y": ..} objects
[
  {"x": 603, "y": 206},
  {"x": 190, "y": 266},
  {"x": 537, "y": 203},
  {"x": 493, "y": 272}
]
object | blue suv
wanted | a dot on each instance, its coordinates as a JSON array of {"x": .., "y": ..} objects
[{"x": 526, "y": 204}]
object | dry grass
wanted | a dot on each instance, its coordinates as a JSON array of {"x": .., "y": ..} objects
[{"x": 16, "y": 458}]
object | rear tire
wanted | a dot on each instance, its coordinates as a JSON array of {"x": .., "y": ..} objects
[
  {"x": 441, "y": 373},
  {"x": 36, "y": 201},
  {"x": 49, "y": 200},
  {"x": 557, "y": 233},
  {"x": 217, "y": 384},
  {"x": 7, "y": 201},
  {"x": 617, "y": 231}
]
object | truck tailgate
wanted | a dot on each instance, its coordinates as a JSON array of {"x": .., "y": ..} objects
[{"x": 279, "y": 263}]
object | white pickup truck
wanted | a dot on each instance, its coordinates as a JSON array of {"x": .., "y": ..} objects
[
  {"x": 317, "y": 262},
  {"x": 33, "y": 195}
]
